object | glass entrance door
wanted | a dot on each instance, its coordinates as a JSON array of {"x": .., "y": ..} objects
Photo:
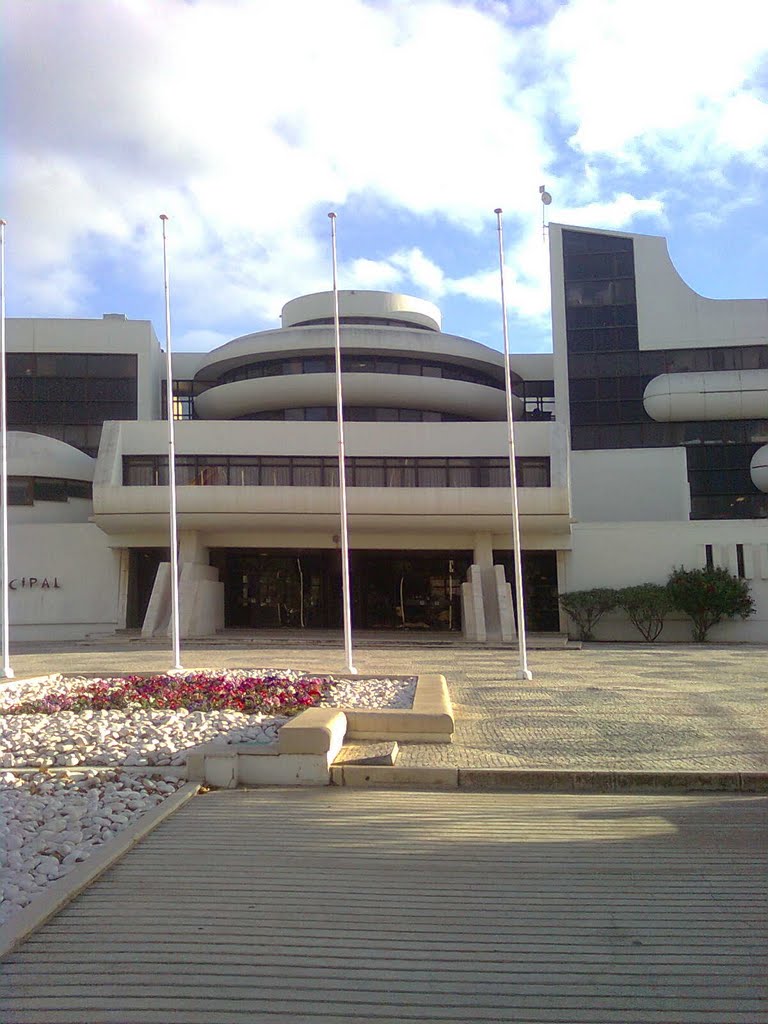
[
  {"x": 280, "y": 589},
  {"x": 408, "y": 590}
]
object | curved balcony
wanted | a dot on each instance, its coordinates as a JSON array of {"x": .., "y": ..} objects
[{"x": 244, "y": 397}]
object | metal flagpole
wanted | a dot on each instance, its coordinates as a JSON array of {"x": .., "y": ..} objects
[
  {"x": 171, "y": 462},
  {"x": 345, "y": 578},
  {"x": 523, "y": 671},
  {"x": 7, "y": 671}
]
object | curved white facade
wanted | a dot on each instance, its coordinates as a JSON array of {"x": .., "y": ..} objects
[
  {"x": 245, "y": 397},
  {"x": 38, "y": 455},
  {"x": 316, "y": 340},
  {"x": 718, "y": 395},
  {"x": 405, "y": 309}
]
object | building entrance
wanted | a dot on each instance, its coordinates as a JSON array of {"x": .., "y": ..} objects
[
  {"x": 274, "y": 589},
  {"x": 142, "y": 570},
  {"x": 391, "y": 590}
]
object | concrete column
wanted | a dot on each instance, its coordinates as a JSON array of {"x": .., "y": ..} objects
[
  {"x": 483, "y": 553},
  {"x": 122, "y": 595},
  {"x": 192, "y": 548}
]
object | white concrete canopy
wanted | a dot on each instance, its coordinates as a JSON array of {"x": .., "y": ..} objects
[{"x": 38, "y": 455}]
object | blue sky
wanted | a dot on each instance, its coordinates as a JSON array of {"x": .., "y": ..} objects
[{"x": 246, "y": 121}]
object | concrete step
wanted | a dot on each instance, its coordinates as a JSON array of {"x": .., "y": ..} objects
[{"x": 384, "y": 753}]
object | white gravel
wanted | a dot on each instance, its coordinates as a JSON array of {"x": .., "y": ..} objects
[
  {"x": 131, "y": 738},
  {"x": 371, "y": 693},
  {"x": 146, "y": 737},
  {"x": 48, "y": 824}
]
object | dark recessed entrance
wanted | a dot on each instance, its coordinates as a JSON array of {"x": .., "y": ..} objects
[
  {"x": 142, "y": 569},
  {"x": 302, "y": 589},
  {"x": 542, "y": 613}
]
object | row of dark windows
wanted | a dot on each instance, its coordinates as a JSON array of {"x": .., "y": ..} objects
[
  {"x": 729, "y": 506},
  {"x": 596, "y": 266},
  {"x": 538, "y": 397},
  {"x": 358, "y": 414},
  {"x": 70, "y": 364},
  {"x": 603, "y": 339},
  {"x": 361, "y": 364},
  {"x": 373, "y": 321},
  {"x": 71, "y": 413},
  {"x": 650, "y": 364},
  {"x": 69, "y": 395},
  {"x": 721, "y": 483},
  {"x": 323, "y": 471},
  {"x": 26, "y": 490},
  {"x": 71, "y": 389},
  {"x": 579, "y": 242},
  {"x": 650, "y": 434}
]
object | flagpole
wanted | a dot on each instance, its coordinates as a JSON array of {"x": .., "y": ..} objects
[
  {"x": 523, "y": 671},
  {"x": 345, "y": 576},
  {"x": 171, "y": 462},
  {"x": 6, "y": 672}
]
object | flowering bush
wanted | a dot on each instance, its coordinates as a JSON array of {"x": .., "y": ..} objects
[
  {"x": 707, "y": 596},
  {"x": 196, "y": 691}
]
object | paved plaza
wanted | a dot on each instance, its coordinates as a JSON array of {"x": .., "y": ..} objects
[
  {"x": 602, "y": 707},
  {"x": 339, "y": 906}
]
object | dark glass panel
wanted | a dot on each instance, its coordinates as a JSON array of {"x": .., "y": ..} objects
[
  {"x": 20, "y": 364},
  {"x": 580, "y": 365},
  {"x": 20, "y": 490},
  {"x": 79, "y": 489},
  {"x": 118, "y": 365},
  {"x": 49, "y": 489},
  {"x": 608, "y": 388},
  {"x": 19, "y": 389},
  {"x": 583, "y": 412},
  {"x": 581, "y": 341}
]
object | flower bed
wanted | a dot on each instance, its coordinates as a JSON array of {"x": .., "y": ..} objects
[
  {"x": 136, "y": 721},
  {"x": 241, "y": 691}
]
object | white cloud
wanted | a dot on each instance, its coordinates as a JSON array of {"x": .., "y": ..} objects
[
  {"x": 246, "y": 122},
  {"x": 661, "y": 79}
]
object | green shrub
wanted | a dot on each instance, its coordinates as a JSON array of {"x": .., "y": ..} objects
[
  {"x": 587, "y": 607},
  {"x": 707, "y": 596},
  {"x": 646, "y": 605}
]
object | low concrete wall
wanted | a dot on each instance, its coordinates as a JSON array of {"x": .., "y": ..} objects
[{"x": 430, "y": 720}]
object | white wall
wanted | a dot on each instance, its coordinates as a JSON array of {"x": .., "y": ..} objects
[
  {"x": 76, "y": 557},
  {"x": 672, "y": 315},
  {"x": 630, "y": 485},
  {"x": 624, "y": 554}
]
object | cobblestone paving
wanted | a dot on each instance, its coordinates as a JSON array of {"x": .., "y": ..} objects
[{"x": 602, "y": 707}]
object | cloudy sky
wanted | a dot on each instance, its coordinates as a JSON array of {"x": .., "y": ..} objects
[{"x": 246, "y": 121}]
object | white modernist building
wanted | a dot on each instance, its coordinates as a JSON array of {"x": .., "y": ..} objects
[{"x": 642, "y": 444}]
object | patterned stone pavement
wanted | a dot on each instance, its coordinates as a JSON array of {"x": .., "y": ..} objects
[{"x": 610, "y": 707}]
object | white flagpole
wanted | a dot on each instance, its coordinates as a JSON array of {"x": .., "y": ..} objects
[
  {"x": 523, "y": 671},
  {"x": 171, "y": 462},
  {"x": 7, "y": 671},
  {"x": 345, "y": 577}
]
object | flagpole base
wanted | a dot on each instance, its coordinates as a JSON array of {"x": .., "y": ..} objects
[
  {"x": 7, "y": 673},
  {"x": 524, "y": 673}
]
